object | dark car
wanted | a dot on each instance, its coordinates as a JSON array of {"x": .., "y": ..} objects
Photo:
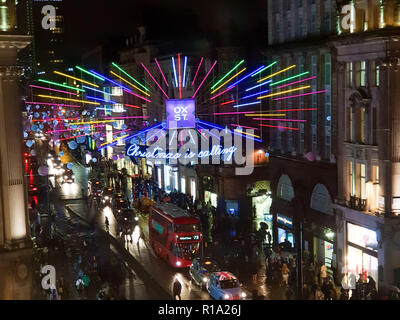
[
  {"x": 120, "y": 205},
  {"x": 107, "y": 196},
  {"x": 68, "y": 177},
  {"x": 127, "y": 216}
]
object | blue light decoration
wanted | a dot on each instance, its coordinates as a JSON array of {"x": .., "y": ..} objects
[
  {"x": 174, "y": 70},
  {"x": 184, "y": 73},
  {"x": 70, "y": 166},
  {"x": 25, "y": 135},
  {"x": 36, "y": 115},
  {"x": 61, "y": 154},
  {"x": 95, "y": 90},
  {"x": 94, "y": 160},
  {"x": 99, "y": 99},
  {"x": 109, "y": 80},
  {"x": 34, "y": 128},
  {"x": 29, "y": 143},
  {"x": 37, "y": 107},
  {"x": 72, "y": 145},
  {"x": 246, "y": 77},
  {"x": 255, "y": 94},
  {"x": 259, "y": 85},
  {"x": 81, "y": 139},
  {"x": 247, "y": 104}
]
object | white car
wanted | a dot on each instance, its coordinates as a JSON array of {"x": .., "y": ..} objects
[{"x": 225, "y": 286}]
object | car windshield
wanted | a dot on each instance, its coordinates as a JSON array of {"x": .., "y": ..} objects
[
  {"x": 187, "y": 227},
  {"x": 229, "y": 284},
  {"x": 211, "y": 267}
]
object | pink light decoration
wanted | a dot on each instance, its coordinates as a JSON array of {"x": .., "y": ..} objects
[
  {"x": 228, "y": 102},
  {"x": 132, "y": 106},
  {"x": 162, "y": 73},
  {"x": 122, "y": 131},
  {"x": 136, "y": 95},
  {"x": 49, "y": 89},
  {"x": 59, "y": 119},
  {"x": 219, "y": 94},
  {"x": 52, "y": 104},
  {"x": 180, "y": 76},
  {"x": 288, "y": 128},
  {"x": 154, "y": 79},
  {"x": 82, "y": 128},
  {"x": 283, "y": 120},
  {"x": 301, "y": 95},
  {"x": 226, "y": 113},
  {"x": 290, "y": 84},
  {"x": 238, "y": 125},
  {"x": 118, "y": 118},
  {"x": 208, "y": 73},
  {"x": 198, "y": 68},
  {"x": 202, "y": 134}
]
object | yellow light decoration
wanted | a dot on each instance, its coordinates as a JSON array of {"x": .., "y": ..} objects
[
  {"x": 131, "y": 84},
  {"x": 247, "y": 134},
  {"x": 275, "y": 74},
  {"x": 92, "y": 122},
  {"x": 283, "y": 92},
  {"x": 77, "y": 79},
  {"x": 230, "y": 79},
  {"x": 265, "y": 115},
  {"x": 68, "y": 99},
  {"x": 114, "y": 140}
]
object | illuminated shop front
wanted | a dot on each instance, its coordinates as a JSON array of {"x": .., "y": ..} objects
[
  {"x": 261, "y": 201},
  {"x": 285, "y": 229},
  {"x": 361, "y": 252},
  {"x": 211, "y": 197},
  {"x": 210, "y": 194}
]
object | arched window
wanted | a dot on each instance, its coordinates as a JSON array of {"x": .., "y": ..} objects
[
  {"x": 321, "y": 200},
  {"x": 285, "y": 188}
]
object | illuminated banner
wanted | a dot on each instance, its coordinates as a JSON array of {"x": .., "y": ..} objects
[
  {"x": 135, "y": 151},
  {"x": 181, "y": 114},
  {"x": 287, "y": 222}
]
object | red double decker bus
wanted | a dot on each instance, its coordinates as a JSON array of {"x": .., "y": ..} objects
[{"x": 174, "y": 234}]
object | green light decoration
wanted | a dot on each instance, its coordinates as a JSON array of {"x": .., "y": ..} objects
[
  {"x": 60, "y": 85},
  {"x": 127, "y": 74},
  {"x": 89, "y": 73},
  {"x": 267, "y": 67},
  {"x": 288, "y": 79},
  {"x": 224, "y": 77}
]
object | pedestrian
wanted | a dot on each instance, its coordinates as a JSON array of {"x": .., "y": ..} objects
[
  {"x": 107, "y": 223},
  {"x": 79, "y": 285},
  {"x": 285, "y": 274},
  {"x": 177, "y": 289},
  {"x": 318, "y": 294}
]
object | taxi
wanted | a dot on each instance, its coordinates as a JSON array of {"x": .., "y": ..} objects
[
  {"x": 200, "y": 270},
  {"x": 225, "y": 286}
]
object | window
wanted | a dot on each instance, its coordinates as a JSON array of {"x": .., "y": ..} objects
[
  {"x": 357, "y": 179},
  {"x": 118, "y": 107},
  {"x": 285, "y": 188},
  {"x": 351, "y": 178},
  {"x": 350, "y": 124},
  {"x": 349, "y": 74},
  {"x": 321, "y": 200},
  {"x": 378, "y": 76},
  {"x": 363, "y": 74},
  {"x": 116, "y": 91}
]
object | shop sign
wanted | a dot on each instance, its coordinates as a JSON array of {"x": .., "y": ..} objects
[
  {"x": 181, "y": 114},
  {"x": 287, "y": 222}
]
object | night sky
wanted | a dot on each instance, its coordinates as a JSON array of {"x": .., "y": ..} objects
[{"x": 224, "y": 22}]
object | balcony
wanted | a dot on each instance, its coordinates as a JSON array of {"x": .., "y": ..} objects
[{"x": 357, "y": 204}]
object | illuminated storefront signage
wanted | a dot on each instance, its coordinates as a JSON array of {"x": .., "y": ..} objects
[
  {"x": 136, "y": 151},
  {"x": 188, "y": 238},
  {"x": 287, "y": 222},
  {"x": 181, "y": 114}
]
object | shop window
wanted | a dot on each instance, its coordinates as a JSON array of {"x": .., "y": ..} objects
[
  {"x": 183, "y": 185},
  {"x": 116, "y": 91},
  {"x": 285, "y": 188},
  {"x": 321, "y": 200},
  {"x": 363, "y": 237}
]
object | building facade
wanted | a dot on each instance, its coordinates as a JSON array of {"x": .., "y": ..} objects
[{"x": 367, "y": 206}]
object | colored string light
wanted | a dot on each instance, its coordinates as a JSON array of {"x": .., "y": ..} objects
[
  {"x": 53, "y": 104},
  {"x": 162, "y": 73},
  {"x": 227, "y": 75},
  {"x": 209, "y": 132},
  {"x": 136, "y": 95},
  {"x": 301, "y": 95},
  {"x": 290, "y": 78},
  {"x": 260, "y": 85},
  {"x": 220, "y": 94},
  {"x": 76, "y": 79},
  {"x": 267, "y": 67},
  {"x": 197, "y": 72},
  {"x": 256, "y": 94},
  {"x": 247, "y": 134},
  {"x": 57, "y": 119},
  {"x": 184, "y": 72},
  {"x": 55, "y": 90},
  {"x": 119, "y": 118},
  {"x": 90, "y": 73},
  {"x": 154, "y": 135},
  {"x": 283, "y": 120},
  {"x": 131, "y": 84},
  {"x": 208, "y": 73},
  {"x": 231, "y": 113},
  {"x": 249, "y": 114},
  {"x": 202, "y": 135},
  {"x": 276, "y": 73},
  {"x": 245, "y": 127},
  {"x": 288, "y": 110},
  {"x": 283, "y": 92},
  {"x": 296, "y": 82},
  {"x": 162, "y": 136},
  {"x": 129, "y": 76},
  {"x": 115, "y": 140},
  {"x": 228, "y": 102},
  {"x": 244, "y": 78},
  {"x": 174, "y": 69},
  {"x": 109, "y": 80},
  {"x": 100, "y": 99},
  {"x": 229, "y": 80},
  {"x": 94, "y": 90},
  {"x": 247, "y": 104},
  {"x": 68, "y": 99},
  {"x": 131, "y": 106},
  {"x": 107, "y": 121},
  {"x": 151, "y": 76},
  {"x": 84, "y": 135},
  {"x": 279, "y": 127},
  {"x": 77, "y": 129},
  {"x": 179, "y": 76},
  {"x": 60, "y": 85}
]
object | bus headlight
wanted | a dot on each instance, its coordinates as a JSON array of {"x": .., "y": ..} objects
[
  {"x": 226, "y": 297},
  {"x": 244, "y": 295},
  {"x": 205, "y": 280},
  {"x": 178, "y": 264},
  {"x": 136, "y": 219}
]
